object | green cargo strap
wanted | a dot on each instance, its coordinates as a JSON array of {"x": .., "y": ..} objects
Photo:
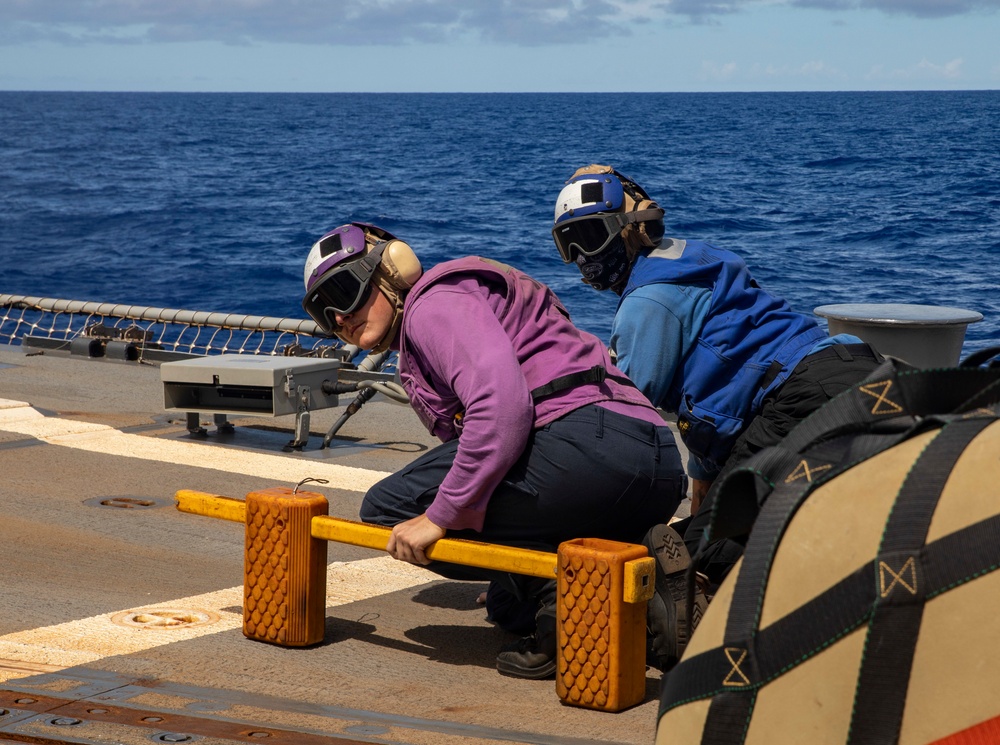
[
  {"x": 733, "y": 673},
  {"x": 809, "y": 629}
]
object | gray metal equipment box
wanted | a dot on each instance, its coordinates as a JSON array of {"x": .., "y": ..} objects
[{"x": 246, "y": 384}]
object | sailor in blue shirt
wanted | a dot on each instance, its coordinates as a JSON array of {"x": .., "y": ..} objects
[
  {"x": 696, "y": 333},
  {"x": 673, "y": 315}
]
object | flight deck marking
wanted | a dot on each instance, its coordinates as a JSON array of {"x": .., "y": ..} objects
[
  {"x": 90, "y": 639},
  {"x": 22, "y": 418}
]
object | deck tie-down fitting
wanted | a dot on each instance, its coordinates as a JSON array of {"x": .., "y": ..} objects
[{"x": 603, "y": 586}]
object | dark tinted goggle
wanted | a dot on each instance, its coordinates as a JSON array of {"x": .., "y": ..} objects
[
  {"x": 591, "y": 234},
  {"x": 343, "y": 289},
  {"x": 587, "y": 235}
]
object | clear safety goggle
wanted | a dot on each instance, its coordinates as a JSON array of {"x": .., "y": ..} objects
[{"x": 343, "y": 289}]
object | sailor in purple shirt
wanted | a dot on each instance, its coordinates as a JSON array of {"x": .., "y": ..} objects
[{"x": 544, "y": 440}]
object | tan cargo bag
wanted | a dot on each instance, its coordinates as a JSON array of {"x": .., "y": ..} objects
[{"x": 866, "y": 608}]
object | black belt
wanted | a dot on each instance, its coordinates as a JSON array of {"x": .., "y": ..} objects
[
  {"x": 596, "y": 374},
  {"x": 846, "y": 352}
]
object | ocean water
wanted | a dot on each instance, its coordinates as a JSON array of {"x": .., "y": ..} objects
[{"x": 211, "y": 201}]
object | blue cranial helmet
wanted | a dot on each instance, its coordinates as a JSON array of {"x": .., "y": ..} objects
[{"x": 603, "y": 217}]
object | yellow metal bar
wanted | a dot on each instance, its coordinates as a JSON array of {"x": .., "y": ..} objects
[
  {"x": 211, "y": 505},
  {"x": 603, "y": 586},
  {"x": 450, "y": 550}
]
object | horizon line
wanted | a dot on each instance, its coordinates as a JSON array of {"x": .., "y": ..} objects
[{"x": 503, "y": 92}]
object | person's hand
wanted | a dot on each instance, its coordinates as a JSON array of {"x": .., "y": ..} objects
[
  {"x": 409, "y": 539},
  {"x": 699, "y": 490}
]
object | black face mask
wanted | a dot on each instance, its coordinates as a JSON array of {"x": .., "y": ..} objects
[{"x": 608, "y": 270}]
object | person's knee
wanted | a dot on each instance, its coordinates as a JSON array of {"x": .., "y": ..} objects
[
  {"x": 372, "y": 508},
  {"x": 368, "y": 512},
  {"x": 390, "y": 502}
]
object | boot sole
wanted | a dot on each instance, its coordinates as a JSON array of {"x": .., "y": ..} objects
[
  {"x": 516, "y": 671},
  {"x": 672, "y": 558}
]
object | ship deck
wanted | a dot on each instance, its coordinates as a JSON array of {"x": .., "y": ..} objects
[{"x": 122, "y": 616}]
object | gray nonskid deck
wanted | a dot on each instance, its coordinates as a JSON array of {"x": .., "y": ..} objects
[{"x": 89, "y": 533}]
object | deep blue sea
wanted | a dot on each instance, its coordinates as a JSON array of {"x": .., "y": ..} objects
[{"x": 211, "y": 201}]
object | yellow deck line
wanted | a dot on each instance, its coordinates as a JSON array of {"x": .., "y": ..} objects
[{"x": 20, "y": 418}]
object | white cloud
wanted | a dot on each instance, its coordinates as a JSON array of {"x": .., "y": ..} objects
[
  {"x": 807, "y": 71},
  {"x": 816, "y": 68},
  {"x": 716, "y": 72},
  {"x": 326, "y": 22},
  {"x": 914, "y": 8},
  {"x": 922, "y": 70},
  {"x": 366, "y": 22}
]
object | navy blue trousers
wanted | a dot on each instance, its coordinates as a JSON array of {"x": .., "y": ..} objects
[{"x": 590, "y": 474}]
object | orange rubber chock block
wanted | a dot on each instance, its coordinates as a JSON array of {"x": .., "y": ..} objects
[
  {"x": 284, "y": 584},
  {"x": 601, "y": 619}
]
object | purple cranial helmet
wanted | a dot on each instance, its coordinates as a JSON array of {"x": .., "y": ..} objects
[
  {"x": 339, "y": 245},
  {"x": 343, "y": 265},
  {"x": 339, "y": 270}
]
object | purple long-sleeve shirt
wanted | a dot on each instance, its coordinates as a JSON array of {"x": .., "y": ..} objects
[{"x": 472, "y": 350}]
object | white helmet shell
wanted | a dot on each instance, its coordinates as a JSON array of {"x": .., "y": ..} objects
[{"x": 587, "y": 195}]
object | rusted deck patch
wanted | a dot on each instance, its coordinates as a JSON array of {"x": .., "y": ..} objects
[{"x": 157, "y": 725}]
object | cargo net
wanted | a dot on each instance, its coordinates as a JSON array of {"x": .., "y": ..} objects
[{"x": 146, "y": 334}]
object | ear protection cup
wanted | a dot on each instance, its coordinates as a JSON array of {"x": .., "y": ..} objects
[
  {"x": 646, "y": 234},
  {"x": 400, "y": 265},
  {"x": 397, "y": 272}
]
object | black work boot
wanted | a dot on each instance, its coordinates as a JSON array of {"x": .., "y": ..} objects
[
  {"x": 532, "y": 656},
  {"x": 666, "y": 613}
]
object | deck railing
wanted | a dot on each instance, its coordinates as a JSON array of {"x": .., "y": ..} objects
[{"x": 155, "y": 334}]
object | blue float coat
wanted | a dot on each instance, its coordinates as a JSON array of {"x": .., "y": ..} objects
[{"x": 698, "y": 336}]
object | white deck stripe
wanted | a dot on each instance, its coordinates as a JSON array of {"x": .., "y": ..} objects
[
  {"x": 21, "y": 418},
  {"x": 91, "y": 639}
]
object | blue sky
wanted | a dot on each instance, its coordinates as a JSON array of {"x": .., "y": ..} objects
[{"x": 499, "y": 45}]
